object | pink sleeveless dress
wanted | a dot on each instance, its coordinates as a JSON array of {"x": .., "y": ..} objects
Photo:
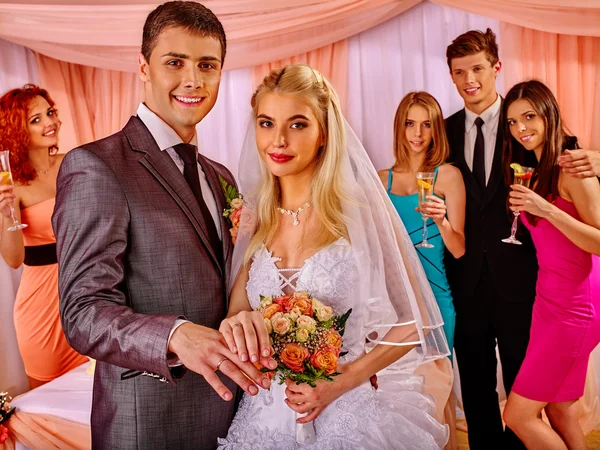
[{"x": 566, "y": 315}]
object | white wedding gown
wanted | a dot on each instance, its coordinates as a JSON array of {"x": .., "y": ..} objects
[{"x": 396, "y": 416}]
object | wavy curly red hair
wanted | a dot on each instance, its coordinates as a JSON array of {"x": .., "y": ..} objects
[{"x": 14, "y": 134}]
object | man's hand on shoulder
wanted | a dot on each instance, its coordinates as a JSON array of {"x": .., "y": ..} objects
[
  {"x": 580, "y": 163},
  {"x": 204, "y": 351}
]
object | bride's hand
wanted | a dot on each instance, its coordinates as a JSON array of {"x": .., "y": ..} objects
[
  {"x": 246, "y": 333},
  {"x": 303, "y": 398}
]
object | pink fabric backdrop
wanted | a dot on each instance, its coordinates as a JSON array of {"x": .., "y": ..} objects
[
  {"x": 569, "y": 65},
  {"x": 259, "y": 31}
]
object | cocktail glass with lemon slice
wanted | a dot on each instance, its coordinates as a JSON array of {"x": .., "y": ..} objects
[
  {"x": 425, "y": 185},
  {"x": 522, "y": 176},
  {"x": 6, "y": 180}
]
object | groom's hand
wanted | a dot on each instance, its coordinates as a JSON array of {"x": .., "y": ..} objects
[
  {"x": 246, "y": 334},
  {"x": 204, "y": 351}
]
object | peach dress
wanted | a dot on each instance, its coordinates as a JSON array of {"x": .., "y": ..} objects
[{"x": 42, "y": 343}]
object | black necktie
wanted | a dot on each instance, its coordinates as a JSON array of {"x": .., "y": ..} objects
[
  {"x": 187, "y": 152},
  {"x": 479, "y": 155}
]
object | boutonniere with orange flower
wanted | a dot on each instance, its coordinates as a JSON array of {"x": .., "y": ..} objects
[
  {"x": 233, "y": 212},
  {"x": 306, "y": 336},
  {"x": 5, "y": 412}
]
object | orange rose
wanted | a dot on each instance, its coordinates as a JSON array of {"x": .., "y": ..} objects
[
  {"x": 235, "y": 217},
  {"x": 293, "y": 356},
  {"x": 268, "y": 373},
  {"x": 326, "y": 359},
  {"x": 234, "y": 234},
  {"x": 333, "y": 339},
  {"x": 283, "y": 301},
  {"x": 271, "y": 310},
  {"x": 303, "y": 304},
  {"x": 3, "y": 434}
]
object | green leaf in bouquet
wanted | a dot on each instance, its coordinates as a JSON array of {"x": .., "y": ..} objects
[{"x": 340, "y": 322}]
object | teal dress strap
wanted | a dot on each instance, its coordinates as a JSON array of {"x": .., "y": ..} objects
[
  {"x": 435, "y": 174},
  {"x": 390, "y": 177}
]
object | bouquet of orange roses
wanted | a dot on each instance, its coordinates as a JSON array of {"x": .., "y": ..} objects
[{"x": 306, "y": 337}]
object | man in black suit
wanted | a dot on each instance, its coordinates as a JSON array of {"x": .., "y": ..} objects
[{"x": 493, "y": 284}]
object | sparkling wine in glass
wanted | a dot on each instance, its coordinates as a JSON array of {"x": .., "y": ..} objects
[
  {"x": 523, "y": 177},
  {"x": 6, "y": 180},
  {"x": 425, "y": 185}
]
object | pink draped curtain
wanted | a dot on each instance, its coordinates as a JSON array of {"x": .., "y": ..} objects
[
  {"x": 93, "y": 103},
  {"x": 569, "y": 65},
  {"x": 331, "y": 61},
  {"x": 260, "y": 31}
]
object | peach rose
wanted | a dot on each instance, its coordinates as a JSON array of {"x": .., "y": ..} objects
[
  {"x": 302, "y": 335},
  {"x": 235, "y": 218},
  {"x": 294, "y": 314},
  {"x": 316, "y": 304},
  {"x": 333, "y": 339},
  {"x": 325, "y": 359},
  {"x": 307, "y": 323},
  {"x": 303, "y": 304},
  {"x": 237, "y": 203},
  {"x": 324, "y": 314},
  {"x": 301, "y": 294},
  {"x": 293, "y": 356},
  {"x": 270, "y": 310},
  {"x": 266, "y": 301},
  {"x": 281, "y": 325},
  {"x": 268, "y": 326}
]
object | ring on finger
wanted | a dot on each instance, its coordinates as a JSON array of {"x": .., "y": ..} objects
[
  {"x": 220, "y": 362},
  {"x": 237, "y": 324}
]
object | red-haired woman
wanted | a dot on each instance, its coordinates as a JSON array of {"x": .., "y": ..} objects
[{"x": 29, "y": 128}]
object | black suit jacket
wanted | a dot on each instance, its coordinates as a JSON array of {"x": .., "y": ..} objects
[{"x": 513, "y": 267}]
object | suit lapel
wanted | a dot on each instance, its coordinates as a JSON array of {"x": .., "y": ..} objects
[{"x": 162, "y": 167}]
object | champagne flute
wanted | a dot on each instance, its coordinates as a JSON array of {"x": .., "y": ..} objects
[
  {"x": 425, "y": 184},
  {"x": 6, "y": 180},
  {"x": 522, "y": 177}
]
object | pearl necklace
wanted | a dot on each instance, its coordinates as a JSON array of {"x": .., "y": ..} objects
[{"x": 294, "y": 214}]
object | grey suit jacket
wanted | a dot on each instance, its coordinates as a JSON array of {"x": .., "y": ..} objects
[{"x": 134, "y": 256}]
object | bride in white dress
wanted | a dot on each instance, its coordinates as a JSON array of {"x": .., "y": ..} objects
[{"x": 317, "y": 219}]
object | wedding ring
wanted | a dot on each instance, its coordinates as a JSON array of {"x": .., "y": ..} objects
[
  {"x": 236, "y": 325},
  {"x": 220, "y": 362}
]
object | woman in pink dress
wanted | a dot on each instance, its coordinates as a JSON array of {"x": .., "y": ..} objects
[{"x": 563, "y": 215}]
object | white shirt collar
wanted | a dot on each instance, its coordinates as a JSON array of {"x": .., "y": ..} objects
[
  {"x": 490, "y": 114},
  {"x": 165, "y": 136}
]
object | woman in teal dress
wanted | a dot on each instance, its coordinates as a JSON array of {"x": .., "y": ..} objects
[{"x": 421, "y": 146}]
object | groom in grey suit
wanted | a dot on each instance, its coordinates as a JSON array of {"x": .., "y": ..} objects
[{"x": 144, "y": 253}]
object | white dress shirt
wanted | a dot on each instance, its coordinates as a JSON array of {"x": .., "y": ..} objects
[
  {"x": 167, "y": 138},
  {"x": 490, "y": 117}
]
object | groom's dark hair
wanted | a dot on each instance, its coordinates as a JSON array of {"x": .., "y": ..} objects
[{"x": 191, "y": 16}]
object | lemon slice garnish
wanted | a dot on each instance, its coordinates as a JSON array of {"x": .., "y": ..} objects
[
  {"x": 424, "y": 184},
  {"x": 516, "y": 167},
  {"x": 4, "y": 178}
]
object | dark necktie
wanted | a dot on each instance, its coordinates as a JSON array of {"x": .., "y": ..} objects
[
  {"x": 479, "y": 155},
  {"x": 187, "y": 152}
]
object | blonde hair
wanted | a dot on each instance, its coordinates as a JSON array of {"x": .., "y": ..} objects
[
  {"x": 326, "y": 187},
  {"x": 439, "y": 150}
]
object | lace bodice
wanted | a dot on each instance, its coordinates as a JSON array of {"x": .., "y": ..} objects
[
  {"x": 359, "y": 419},
  {"x": 329, "y": 275}
]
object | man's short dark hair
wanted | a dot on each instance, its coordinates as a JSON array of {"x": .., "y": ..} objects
[
  {"x": 191, "y": 16},
  {"x": 471, "y": 43}
]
